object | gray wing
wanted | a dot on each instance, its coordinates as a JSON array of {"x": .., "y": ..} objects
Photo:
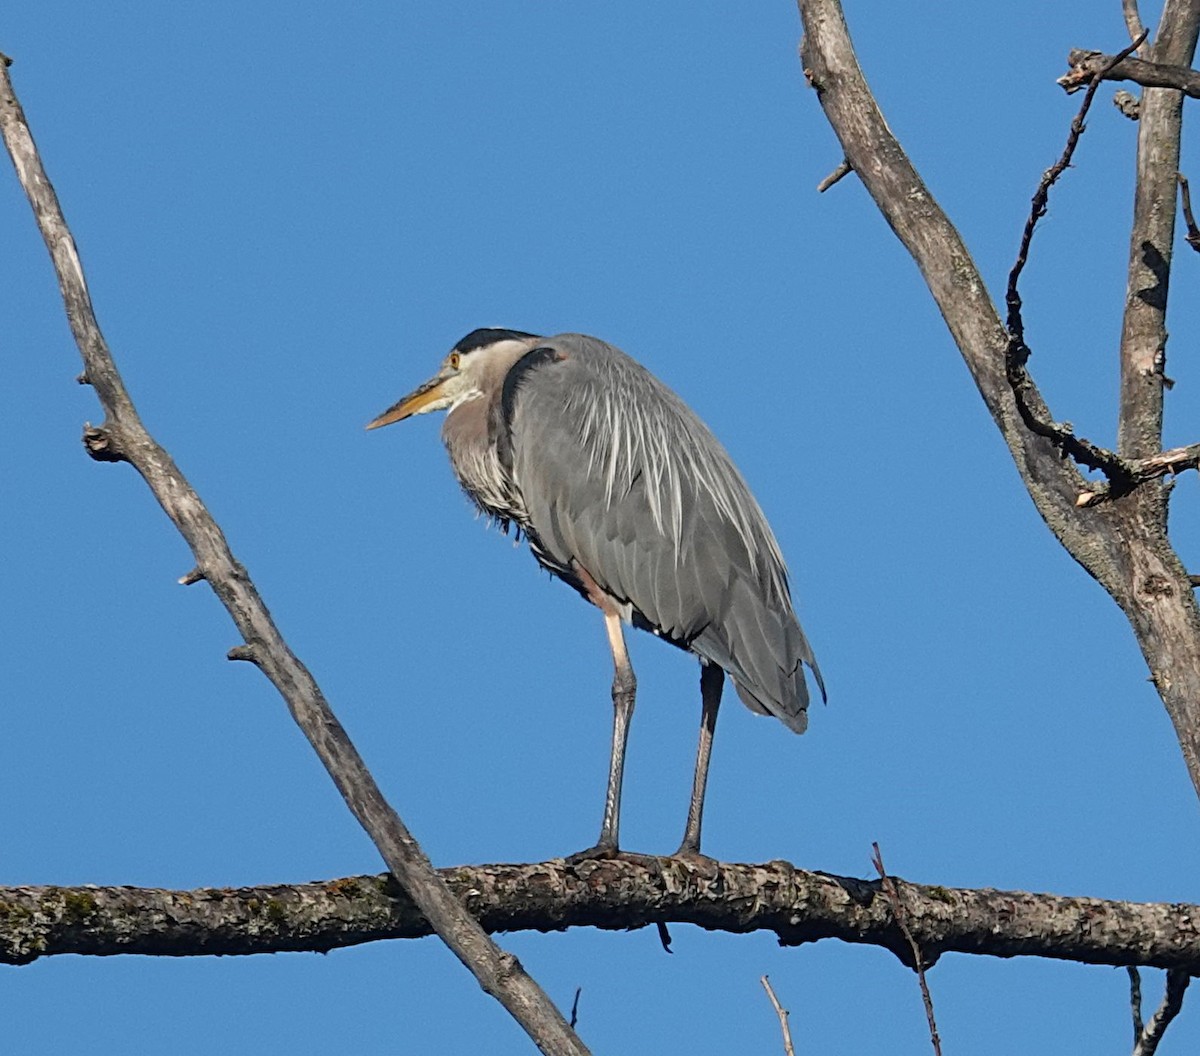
[{"x": 618, "y": 474}]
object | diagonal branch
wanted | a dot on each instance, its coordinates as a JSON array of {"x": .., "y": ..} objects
[
  {"x": 953, "y": 279},
  {"x": 891, "y": 890},
  {"x": 122, "y": 437},
  {"x": 795, "y": 905}
]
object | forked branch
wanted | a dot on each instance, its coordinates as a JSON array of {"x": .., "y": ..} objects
[
  {"x": 1146, "y": 1038},
  {"x": 1123, "y": 544}
]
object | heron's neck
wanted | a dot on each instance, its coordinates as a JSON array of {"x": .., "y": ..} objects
[
  {"x": 475, "y": 462},
  {"x": 468, "y": 434},
  {"x": 465, "y": 430}
]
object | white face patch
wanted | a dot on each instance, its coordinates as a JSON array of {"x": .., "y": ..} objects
[
  {"x": 462, "y": 397},
  {"x": 464, "y": 385}
]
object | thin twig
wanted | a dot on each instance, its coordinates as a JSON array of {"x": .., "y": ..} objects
[
  {"x": 575, "y": 1008},
  {"x": 1042, "y": 196},
  {"x": 1193, "y": 232},
  {"x": 893, "y": 896},
  {"x": 1149, "y": 1038},
  {"x": 844, "y": 169},
  {"x": 123, "y": 437},
  {"x": 1017, "y": 354},
  {"x": 782, "y": 1013},
  {"x": 664, "y": 936},
  {"x": 1135, "y": 1002}
]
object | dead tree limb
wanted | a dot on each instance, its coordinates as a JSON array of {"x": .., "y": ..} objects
[
  {"x": 1118, "y": 471},
  {"x": 781, "y": 1014},
  {"x": 1185, "y": 199},
  {"x": 891, "y": 888},
  {"x": 1123, "y": 544},
  {"x": 123, "y": 438},
  {"x": 797, "y": 906},
  {"x": 1090, "y": 66},
  {"x": 1133, "y": 19},
  {"x": 1148, "y": 1037},
  {"x": 1151, "y": 243}
]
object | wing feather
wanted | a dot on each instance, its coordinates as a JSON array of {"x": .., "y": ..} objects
[{"x": 618, "y": 474}]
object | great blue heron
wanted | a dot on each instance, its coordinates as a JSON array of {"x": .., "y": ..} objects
[{"x": 625, "y": 494}]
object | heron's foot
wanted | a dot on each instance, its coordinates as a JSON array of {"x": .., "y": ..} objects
[
  {"x": 597, "y": 852},
  {"x": 702, "y": 863},
  {"x": 604, "y": 852}
]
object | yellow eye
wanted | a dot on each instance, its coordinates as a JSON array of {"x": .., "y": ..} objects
[{"x": 455, "y": 360}]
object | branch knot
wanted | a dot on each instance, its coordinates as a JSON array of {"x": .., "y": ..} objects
[{"x": 104, "y": 442}]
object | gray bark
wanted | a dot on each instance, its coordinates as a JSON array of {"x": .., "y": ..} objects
[{"x": 796, "y": 905}]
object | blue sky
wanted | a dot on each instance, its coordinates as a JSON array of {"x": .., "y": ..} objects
[{"x": 287, "y": 215}]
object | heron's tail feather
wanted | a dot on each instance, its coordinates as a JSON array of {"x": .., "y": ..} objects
[{"x": 765, "y": 652}]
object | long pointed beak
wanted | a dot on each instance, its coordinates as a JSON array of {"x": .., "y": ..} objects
[{"x": 414, "y": 403}]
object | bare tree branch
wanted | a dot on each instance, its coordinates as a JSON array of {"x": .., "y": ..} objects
[
  {"x": 1147, "y": 1041},
  {"x": 1185, "y": 194},
  {"x": 838, "y": 174},
  {"x": 1151, "y": 242},
  {"x": 782, "y": 1014},
  {"x": 797, "y": 906},
  {"x": 1135, "y": 1001},
  {"x": 122, "y": 437},
  {"x": 1139, "y": 471},
  {"x": 1118, "y": 472},
  {"x": 1123, "y": 543},
  {"x": 1133, "y": 20},
  {"x": 1090, "y": 67},
  {"x": 1123, "y": 474},
  {"x": 891, "y": 889},
  {"x": 939, "y": 252}
]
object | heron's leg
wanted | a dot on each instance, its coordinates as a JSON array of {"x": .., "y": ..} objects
[
  {"x": 624, "y": 691},
  {"x": 712, "y": 679}
]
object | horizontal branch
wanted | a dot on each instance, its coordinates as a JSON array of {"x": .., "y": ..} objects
[
  {"x": 1176, "y": 460},
  {"x": 796, "y": 905},
  {"x": 1135, "y": 471},
  {"x": 1087, "y": 66}
]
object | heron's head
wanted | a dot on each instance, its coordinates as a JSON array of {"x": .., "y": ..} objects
[{"x": 474, "y": 368}]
